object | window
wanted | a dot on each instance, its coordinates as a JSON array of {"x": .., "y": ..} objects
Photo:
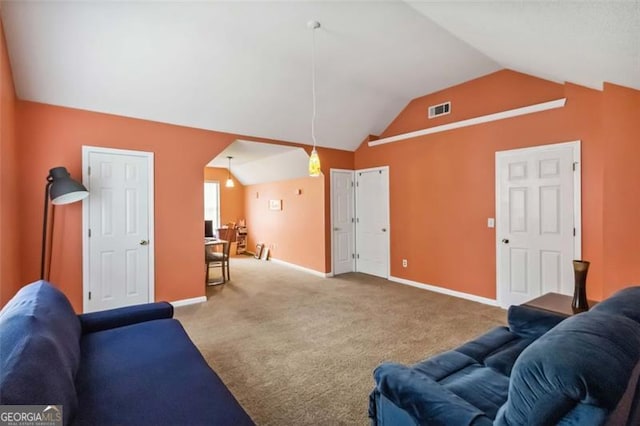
[{"x": 212, "y": 202}]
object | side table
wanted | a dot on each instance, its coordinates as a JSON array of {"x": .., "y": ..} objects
[{"x": 555, "y": 302}]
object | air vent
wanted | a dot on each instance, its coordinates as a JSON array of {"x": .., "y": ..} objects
[{"x": 440, "y": 109}]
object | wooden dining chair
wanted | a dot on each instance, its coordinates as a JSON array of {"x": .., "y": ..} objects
[
  {"x": 220, "y": 259},
  {"x": 215, "y": 259}
]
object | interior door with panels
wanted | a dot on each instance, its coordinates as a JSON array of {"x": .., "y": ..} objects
[
  {"x": 118, "y": 247},
  {"x": 342, "y": 221},
  {"x": 372, "y": 221},
  {"x": 536, "y": 211}
]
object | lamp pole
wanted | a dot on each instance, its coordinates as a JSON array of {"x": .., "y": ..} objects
[{"x": 44, "y": 224}]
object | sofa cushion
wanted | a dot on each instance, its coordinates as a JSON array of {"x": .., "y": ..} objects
[
  {"x": 39, "y": 349},
  {"x": 580, "y": 368},
  {"x": 530, "y": 322},
  {"x": 424, "y": 400},
  {"x": 150, "y": 373},
  {"x": 499, "y": 348}
]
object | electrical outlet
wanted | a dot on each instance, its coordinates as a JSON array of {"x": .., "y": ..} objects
[{"x": 405, "y": 263}]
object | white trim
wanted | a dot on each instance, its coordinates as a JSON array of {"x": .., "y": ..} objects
[
  {"x": 558, "y": 103},
  {"x": 577, "y": 200},
  {"x": 300, "y": 268},
  {"x": 216, "y": 224},
  {"x": 86, "y": 150},
  {"x": 353, "y": 225},
  {"x": 446, "y": 291},
  {"x": 191, "y": 301}
]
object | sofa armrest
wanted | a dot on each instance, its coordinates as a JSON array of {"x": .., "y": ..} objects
[
  {"x": 425, "y": 400},
  {"x": 119, "y": 317},
  {"x": 531, "y": 322}
]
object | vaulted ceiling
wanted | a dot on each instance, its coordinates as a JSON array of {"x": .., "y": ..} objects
[{"x": 245, "y": 67}]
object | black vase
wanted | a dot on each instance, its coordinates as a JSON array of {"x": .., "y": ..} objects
[{"x": 579, "y": 302}]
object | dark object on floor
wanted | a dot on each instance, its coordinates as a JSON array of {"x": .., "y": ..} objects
[
  {"x": 584, "y": 370},
  {"x": 133, "y": 365},
  {"x": 259, "y": 248}
]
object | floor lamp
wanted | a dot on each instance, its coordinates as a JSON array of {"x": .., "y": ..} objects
[{"x": 62, "y": 189}]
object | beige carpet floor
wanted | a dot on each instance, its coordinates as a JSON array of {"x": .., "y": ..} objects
[{"x": 296, "y": 349}]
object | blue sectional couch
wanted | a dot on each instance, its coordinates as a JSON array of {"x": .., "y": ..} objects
[
  {"x": 542, "y": 369},
  {"x": 133, "y": 366}
]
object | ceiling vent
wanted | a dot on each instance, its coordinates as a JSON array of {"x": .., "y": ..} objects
[{"x": 440, "y": 109}]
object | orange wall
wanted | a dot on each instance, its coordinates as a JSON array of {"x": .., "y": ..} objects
[
  {"x": 329, "y": 159},
  {"x": 9, "y": 236},
  {"x": 500, "y": 91},
  {"x": 295, "y": 234},
  {"x": 621, "y": 137},
  {"x": 49, "y": 136},
  {"x": 231, "y": 199},
  {"x": 442, "y": 186}
]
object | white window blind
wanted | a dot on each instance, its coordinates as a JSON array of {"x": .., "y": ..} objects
[{"x": 212, "y": 202}]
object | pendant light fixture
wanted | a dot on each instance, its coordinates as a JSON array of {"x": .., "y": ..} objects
[
  {"x": 229, "y": 183},
  {"x": 314, "y": 160}
]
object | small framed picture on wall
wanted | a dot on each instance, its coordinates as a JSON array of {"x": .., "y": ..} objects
[{"x": 275, "y": 204}]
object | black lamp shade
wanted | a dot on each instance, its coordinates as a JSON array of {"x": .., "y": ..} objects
[{"x": 64, "y": 189}]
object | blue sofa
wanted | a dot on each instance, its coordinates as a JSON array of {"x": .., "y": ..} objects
[
  {"x": 542, "y": 369},
  {"x": 133, "y": 365}
]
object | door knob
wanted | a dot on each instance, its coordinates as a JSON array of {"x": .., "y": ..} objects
[
  {"x": 144, "y": 242},
  {"x": 336, "y": 229},
  {"x": 505, "y": 241},
  {"x": 384, "y": 229}
]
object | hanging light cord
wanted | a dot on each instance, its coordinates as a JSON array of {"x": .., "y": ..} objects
[{"x": 313, "y": 85}]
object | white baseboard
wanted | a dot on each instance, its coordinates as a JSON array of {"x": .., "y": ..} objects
[
  {"x": 446, "y": 291},
  {"x": 192, "y": 301},
  {"x": 300, "y": 268}
]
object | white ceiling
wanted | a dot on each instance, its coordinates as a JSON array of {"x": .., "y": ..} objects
[
  {"x": 255, "y": 162},
  {"x": 245, "y": 67},
  {"x": 584, "y": 42},
  {"x": 240, "y": 67}
]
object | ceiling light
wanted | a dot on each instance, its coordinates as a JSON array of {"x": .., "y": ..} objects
[
  {"x": 229, "y": 183},
  {"x": 314, "y": 160}
]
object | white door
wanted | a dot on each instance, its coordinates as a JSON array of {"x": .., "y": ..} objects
[
  {"x": 538, "y": 219},
  {"x": 342, "y": 221},
  {"x": 118, "y": 228},
  {"x": 372, "y": 221}
]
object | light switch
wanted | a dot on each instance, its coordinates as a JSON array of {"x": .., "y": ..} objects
[{"x": 491, "y": 223}]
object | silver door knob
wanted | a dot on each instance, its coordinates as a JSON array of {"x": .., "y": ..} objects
[
  {"x": 505, "y": 241},
  {"x": 384, "y": 229},
  {"x": 144, "y": 242}
]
